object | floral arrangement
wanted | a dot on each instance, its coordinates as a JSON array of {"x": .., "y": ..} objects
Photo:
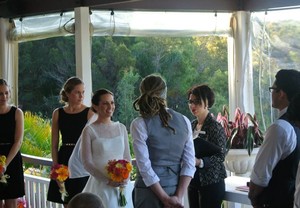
[
  {"x": 4, "y": 177},
  {"x": 119, "y": 171},
  {"x": 241, "y": 135},
  {"x": 21, "y": 202},
  {"x": 60, "y": 173}
]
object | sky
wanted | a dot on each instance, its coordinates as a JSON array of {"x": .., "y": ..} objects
[{"x": 288, "y": 14}]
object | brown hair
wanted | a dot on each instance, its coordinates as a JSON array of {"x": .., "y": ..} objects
[
  {"x": 202, "y": 93},
  {"x": 3, "y": 82},
  {"x": 97, "y": 96},
  {"x": 152, "y": 100},
  {"x": 86, "y": 199},
  {"x": 68, "y": 87}
]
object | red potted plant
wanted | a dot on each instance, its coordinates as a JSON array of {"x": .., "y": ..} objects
[{"x": 243, "y": 132}]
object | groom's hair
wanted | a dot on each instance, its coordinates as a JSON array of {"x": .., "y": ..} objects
[{"x": 83, "y": 200}]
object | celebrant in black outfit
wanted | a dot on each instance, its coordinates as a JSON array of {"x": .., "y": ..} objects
[
  {"x": 207, "y": 188},
  {"x": 68, "y": 121}
]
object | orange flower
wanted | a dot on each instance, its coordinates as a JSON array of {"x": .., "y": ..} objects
[
  {"x": 60, "y": 173},
  {"x": 63, "y": 174},
  {"x": 21, "y": 202},
  {"x": 119, "y": 171}
]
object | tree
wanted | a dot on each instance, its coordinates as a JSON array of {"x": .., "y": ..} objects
[{"x": 124, "y": 97}]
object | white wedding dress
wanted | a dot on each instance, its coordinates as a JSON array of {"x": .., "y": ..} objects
[{"x": 107, "y": 142}]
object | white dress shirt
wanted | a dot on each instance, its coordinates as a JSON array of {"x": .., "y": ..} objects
[
  {"x": 140, "y": 135},
  {"x": 280, "y": 141}
]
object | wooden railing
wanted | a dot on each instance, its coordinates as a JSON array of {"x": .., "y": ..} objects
[{"x": 36, "y": 187}]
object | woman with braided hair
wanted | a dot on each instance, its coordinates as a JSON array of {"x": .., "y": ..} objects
[{"x": 163, "y": 147}]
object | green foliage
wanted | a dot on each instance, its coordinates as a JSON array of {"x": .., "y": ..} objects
[
  {"x": 125, "y": 95},
  {"x": 37, "y": 135},
  {"x": 47, "y": 64},
  {"x": 118, "y": 64},
  {"x": 241, "y": 135},
  {"x": 133, "y": 172},
  {"x": 275, "y": 46},
  {"x": 37, "y": 141}
]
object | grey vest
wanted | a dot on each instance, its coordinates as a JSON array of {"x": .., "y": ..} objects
[{"x": 166, "y": 148}]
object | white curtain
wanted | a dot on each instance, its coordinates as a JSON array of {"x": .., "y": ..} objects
[
  {"x": 147, "y": 24},
  {"x": 124, "y": 23},
  {"x": 8, "y": 60},
  {"x": 42, "y": 26},
  {"x": 240, "y": 73}
]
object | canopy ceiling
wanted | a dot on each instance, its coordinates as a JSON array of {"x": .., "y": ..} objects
[{"x": 22, "y": 8}]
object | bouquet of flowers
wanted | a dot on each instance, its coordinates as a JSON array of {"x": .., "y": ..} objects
[
  {"x": 119, "y": 171},
  {"x": 3, "y": 178},
  {"x": 60, "y": 173},
  {"x": 21, "y": 202}
]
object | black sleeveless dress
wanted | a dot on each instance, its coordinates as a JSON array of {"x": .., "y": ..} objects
[
  {"x": 15, "y": 184},
  {"x": 70, "y": 127}
]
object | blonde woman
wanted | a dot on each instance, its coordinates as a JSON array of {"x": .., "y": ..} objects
[
  {"x": 11, "y": 137},
  {"x": 67, "y": 124}
]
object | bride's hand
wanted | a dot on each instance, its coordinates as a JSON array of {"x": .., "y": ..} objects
[{"x": 116, "y": 184}]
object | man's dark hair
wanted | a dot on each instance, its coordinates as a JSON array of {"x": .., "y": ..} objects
[{"x": 288, "y": 80}]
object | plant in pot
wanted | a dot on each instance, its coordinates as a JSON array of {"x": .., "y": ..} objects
[{"x": 242, "y": 133}]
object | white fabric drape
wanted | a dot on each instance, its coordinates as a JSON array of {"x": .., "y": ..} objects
[
  {"x": 240, "y": 65},
  {"x": 8, "y": 60},
  {"x": 165, "y": 24},
  {"x": 124, "y": 23},
  {"x": 43, "y": 26}
]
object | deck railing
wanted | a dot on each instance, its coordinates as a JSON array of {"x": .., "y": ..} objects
[{"x": 36, "y": 187}]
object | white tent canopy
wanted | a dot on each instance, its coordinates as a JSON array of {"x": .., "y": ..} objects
[
  {"x": 124, "y": 23},
  {"x": 83, "y": 23}
]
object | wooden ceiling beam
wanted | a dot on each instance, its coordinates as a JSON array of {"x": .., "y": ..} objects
[{"x": 23, "y": 8}]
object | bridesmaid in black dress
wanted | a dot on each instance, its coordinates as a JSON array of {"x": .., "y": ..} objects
[
  {"x": 67, "y": 124},
  {"x": 11, "y": 137}
]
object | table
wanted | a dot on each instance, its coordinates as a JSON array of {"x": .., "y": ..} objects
[{"x": 232, "y": 194}]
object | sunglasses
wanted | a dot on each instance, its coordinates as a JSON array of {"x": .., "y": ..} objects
[{"x": 195, "y": 102}]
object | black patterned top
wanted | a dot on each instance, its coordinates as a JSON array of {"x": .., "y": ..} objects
[{"x": 214, "y": 169}]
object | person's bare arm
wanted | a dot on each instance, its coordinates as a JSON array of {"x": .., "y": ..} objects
[
  {"x": 19, "y": 132},
  {"x": 254, "y": 192},
  {"x": 54, "y": 137}
]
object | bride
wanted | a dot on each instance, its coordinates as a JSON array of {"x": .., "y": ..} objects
[{"x": 102, "y": 141}]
